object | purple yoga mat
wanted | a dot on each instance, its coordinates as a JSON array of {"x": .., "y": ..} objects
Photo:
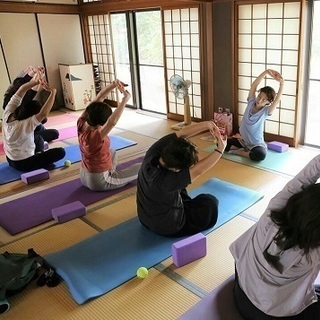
[
  {"x": 32, "y": 210},
  {"x": 217, "y": 305}
]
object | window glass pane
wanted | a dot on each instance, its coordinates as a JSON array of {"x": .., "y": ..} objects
[
  {"x": 288, "y": 102},
  {"x": 313, "y": 115},
  {"x": 245, "y": 12},
  {"x": 275, "y": 26},
  {"x": 287, "y": 116},
  {"x": 258, "y": 56},
  {"x": 259, "y": 11},
  {"x": 274, "y": 56},
  {"x": 272, "y": 127},
  {"x": 291, "y": 26},
  {"x": 185, "y": 27},
  {"x": 195, "y": 40},
  {"x": 245, "y": 55},
  {"x": 291, "y": 42},
  {"x": 315, "y": 45},
  {"x": 259, "y": 41},
  {"x": 245, "y": 26},
  {"x": 274, "y": 41},
  {"x": 177, "y": 52},
  {"x": 175, "y": 15},
  {"x": 176, "y": 27},
  {"x": 292, "y": 10},
  {"x": 244, "y": 41},
  {"x": 167, "y": 15},
  {"x": 287, "y": 130},
  {"x": 244, "y": 82},
  {"x": 290, "y": 57},
  {"x": 185, "y": 15},
  {"x": 275, "y": 10},
  {"x": 259, "y": 26},
  {"x": 194, "y": 27},
  {"x": 290, "y": 72},
  {"x": 244, "y": 68}
]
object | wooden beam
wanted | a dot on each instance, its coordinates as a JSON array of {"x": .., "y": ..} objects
[{"x": 33, "y": 7}]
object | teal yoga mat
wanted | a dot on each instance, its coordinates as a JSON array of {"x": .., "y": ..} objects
[
  {"x": 8, "y": 174},
  {"x": 103, "y": 262},
  {"x": 289, "y": 162}
]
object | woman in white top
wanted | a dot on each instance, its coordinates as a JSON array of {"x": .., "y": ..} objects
[
  {"x": 18, "y": 130},
  {"x": 278, "y": 259}
]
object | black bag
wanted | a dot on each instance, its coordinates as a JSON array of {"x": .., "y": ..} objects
[{"x": 17, "y": 271}]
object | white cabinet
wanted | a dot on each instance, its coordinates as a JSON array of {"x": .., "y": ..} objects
[{"x": 77, "y": 85}]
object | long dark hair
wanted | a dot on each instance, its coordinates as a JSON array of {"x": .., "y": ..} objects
[
  {"x": 299, "y": 220},
  {"x": 13, "y": 88},
  {"x": 25, "y": 111}
]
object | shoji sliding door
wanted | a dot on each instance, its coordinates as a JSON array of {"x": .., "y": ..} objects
[
  {"x": 268, "y": 37},
  {"x": 182, "y": 43}
]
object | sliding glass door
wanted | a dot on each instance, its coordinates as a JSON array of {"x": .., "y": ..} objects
[
  {"x": 138, "y": 57},
  {"x": 312, "y": 129}
]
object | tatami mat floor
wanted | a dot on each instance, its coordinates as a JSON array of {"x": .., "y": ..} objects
[{"x": 168, "y": 291}]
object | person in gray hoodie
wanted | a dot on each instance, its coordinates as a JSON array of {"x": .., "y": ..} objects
[{"x": 278, "y": 259}]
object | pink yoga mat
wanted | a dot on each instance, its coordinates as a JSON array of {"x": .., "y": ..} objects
[
  {"x": 66, "y": 133},
  {"x": 61, "y": 119}
]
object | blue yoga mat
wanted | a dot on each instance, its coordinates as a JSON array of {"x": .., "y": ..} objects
[
  {"x": 8, "y": 174},
  {"x": 103, "y": 262},
  {"x": 289, "y": 162}
]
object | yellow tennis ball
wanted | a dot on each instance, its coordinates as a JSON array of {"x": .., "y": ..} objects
[
  {"x": 142, "y": 272},
  {"x": 67, "y": 163}
]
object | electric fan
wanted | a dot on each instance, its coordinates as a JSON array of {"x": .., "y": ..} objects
[{"x": 180, "y": 88}]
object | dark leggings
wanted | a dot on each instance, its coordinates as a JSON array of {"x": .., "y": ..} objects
[
  {"x": 251, "y": 312},
  {"x": 39, "y": 160},
  {"x": 41, "y": 134},
  {"x": 256, "y": 153},
  {"x": 201, "y": 213}
]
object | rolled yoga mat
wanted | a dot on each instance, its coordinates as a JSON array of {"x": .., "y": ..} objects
[{"x": 101, "y": 263}]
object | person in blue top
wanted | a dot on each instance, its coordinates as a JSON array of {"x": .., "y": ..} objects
[{"x": 249, "y": 142}]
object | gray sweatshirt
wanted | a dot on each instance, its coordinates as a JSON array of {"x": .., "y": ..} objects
[{"x": 287, "y": 287}]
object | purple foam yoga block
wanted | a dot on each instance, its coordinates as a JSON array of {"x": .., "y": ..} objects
[
  {"x": 189, "y": 249},
  {"x": 35, "y": 176},
  {"x": 278, "y": 146},
  {"x": 68, "y": 211}
]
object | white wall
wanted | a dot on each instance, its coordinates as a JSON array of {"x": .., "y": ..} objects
[
  {"x": 59, "y": 40},
  {"x": 62, "y": 43}
]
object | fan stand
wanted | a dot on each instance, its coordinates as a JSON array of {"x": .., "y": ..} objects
[{"x": 187, "y": 116}]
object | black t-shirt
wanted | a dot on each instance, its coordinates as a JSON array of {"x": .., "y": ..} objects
[{"x": 159, "y": 203}]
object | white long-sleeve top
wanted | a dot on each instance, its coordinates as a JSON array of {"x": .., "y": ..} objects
[
  {"x": 18, "y": 135},
  {"x": 285, "y": 288}
]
